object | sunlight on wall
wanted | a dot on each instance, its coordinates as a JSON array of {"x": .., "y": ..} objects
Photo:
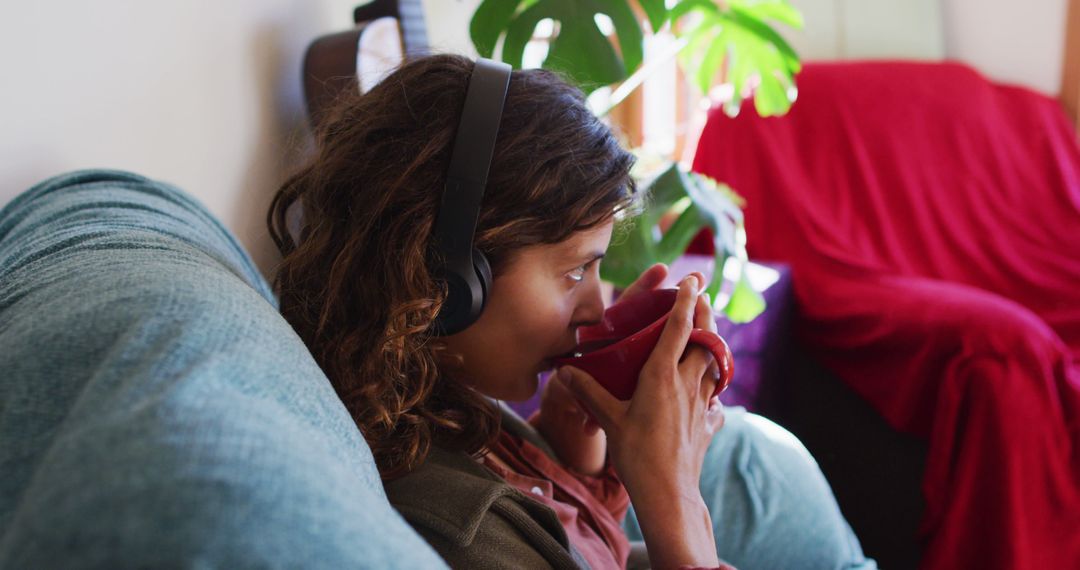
[
  {"x": 207, "y": 95},
  {"x": 202, "y": 94}
]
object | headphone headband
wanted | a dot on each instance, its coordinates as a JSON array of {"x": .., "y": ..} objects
[
  {"x": 470, "y": 161},
  {"x": 455, "y": 225}
]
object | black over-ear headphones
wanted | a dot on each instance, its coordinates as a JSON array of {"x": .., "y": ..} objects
[{"x": 465, "y": 269}]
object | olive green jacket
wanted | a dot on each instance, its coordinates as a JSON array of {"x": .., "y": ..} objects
[{"x": 474, "y": 519}]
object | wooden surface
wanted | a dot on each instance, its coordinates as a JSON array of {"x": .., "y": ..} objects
[
  {"x": 329, "y": 69},
  {"x": 1070, "y": 74},
  {"x": 330, "y": 63}
]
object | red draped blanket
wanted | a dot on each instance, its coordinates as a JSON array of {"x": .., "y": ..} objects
[{"x": 932, "y": 222}]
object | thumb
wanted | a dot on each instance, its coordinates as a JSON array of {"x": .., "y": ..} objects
[{"x": 597, "y": 400}]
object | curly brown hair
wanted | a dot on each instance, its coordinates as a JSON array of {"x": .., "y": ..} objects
[{"x": 356, "y": 284}]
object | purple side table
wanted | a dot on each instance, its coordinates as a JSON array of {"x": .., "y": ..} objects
[{"x": 759, "y": 346}]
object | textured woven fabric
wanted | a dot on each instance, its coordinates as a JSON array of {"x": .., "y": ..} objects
[{"x": 156, "y": 410}]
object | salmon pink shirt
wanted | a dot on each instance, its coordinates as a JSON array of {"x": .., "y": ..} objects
[{"x": 590, "y": 508}]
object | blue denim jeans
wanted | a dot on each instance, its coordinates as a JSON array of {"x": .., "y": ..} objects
[{"x": 771, "y": 507}]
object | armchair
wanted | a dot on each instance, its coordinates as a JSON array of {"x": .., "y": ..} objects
[{"x": 930, "y": 218}]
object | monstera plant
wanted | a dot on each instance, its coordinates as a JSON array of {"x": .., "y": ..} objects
[{"x": 717, "y": 41}]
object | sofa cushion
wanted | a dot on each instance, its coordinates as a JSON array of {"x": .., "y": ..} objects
[{"x": 155, "y": 409}]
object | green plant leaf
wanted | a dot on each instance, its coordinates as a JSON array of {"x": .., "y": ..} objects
[
  {"x": 746, "y": 303},
  {"x": 627, "y": 30},
  {"x": 579, "y": 49},
  {"x": 519, "y": 31},
  {"x": 639, "y": 242},
  {"x": 741, "y": 65},
  {"x": 771, "y": 97},
  {"x": 752, "y": 49},
  {"x": 490, "y": 17},
  {"x": 736, "y": 37},
  {"x": 662, "y": 192},
  {"x": 712, "y": 61},
  {"x": 601, "y": 68},
  {"x": 680, "y": 234},
  {"x": 656, "y": 11},
  {"x": 631, "y": 252},
  {"x": 768, "y": 37},
  {"x": 778, "y": 10},
  {"x": 761, "y": 63},
  {"x": 698, "y": 39},
  {"x": 686, "y": 6}
]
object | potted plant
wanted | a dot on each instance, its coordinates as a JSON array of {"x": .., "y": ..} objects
[{"x": 731, "y": 42}]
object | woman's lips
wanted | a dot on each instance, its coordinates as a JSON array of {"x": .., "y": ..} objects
[{"x": 549, "y": 362}]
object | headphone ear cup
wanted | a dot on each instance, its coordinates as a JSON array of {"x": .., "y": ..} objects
[
  {"x": 483, "y": 274},
  {"x": 457, "y": 309},
  {"x": 465, "y": 297}
]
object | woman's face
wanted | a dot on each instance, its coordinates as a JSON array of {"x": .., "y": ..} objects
[{"x": 536, "y": 304}]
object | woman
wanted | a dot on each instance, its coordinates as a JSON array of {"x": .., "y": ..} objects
[{"x": 358, "y": 285}]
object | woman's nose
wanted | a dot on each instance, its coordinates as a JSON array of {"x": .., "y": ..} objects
[{"x": 591, "y": 307}]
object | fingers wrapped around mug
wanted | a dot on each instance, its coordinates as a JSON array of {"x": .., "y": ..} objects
[
  {"x": 660, "y": 336},
  {"x": 650, "y": 279},
  {"x": 603, "y": 409},
  {"x": 672, "y": 343},
  {"x": 720, "y": 369},
  {"x": 697, "y": 359}
]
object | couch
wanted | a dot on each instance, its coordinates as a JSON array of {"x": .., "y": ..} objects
[{"x": 156, "y": 410}]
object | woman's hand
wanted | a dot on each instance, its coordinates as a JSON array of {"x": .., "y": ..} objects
[
  {"x": 650, "y": 279},
  {"x": 565, "y": 423},
  {"x": 659, "y": 438}
]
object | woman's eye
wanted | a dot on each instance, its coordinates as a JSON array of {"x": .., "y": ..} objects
[{"x": 578, "y": 274}]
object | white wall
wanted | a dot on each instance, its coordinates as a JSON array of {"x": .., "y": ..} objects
[
  {"x": 858, "y": 29},
  {"x": 200, "y": 93},
  {"x": 1016, "y": 42},
  {"x": 1010, "y": 41},
  {"x": 207, "y": 94},
  {"x": 448, "y": 24}
]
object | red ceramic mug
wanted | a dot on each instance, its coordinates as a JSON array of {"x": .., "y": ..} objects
[{"x": 615, "y": 350}]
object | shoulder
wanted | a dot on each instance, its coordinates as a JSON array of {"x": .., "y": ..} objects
[{"x": 475, "y": 519}]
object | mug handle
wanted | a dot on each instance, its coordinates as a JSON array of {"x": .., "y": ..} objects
[{"x": 720, "y": 351}]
